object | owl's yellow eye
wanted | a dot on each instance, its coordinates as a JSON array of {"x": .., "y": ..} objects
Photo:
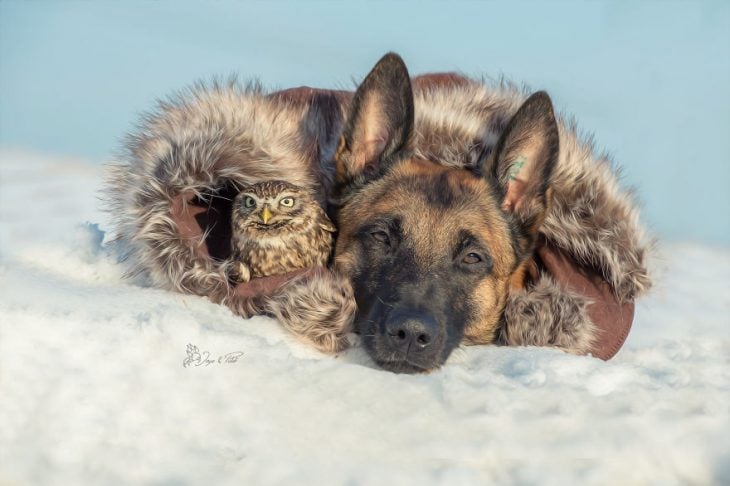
[
  {"x": 287, "y": 202},
  {"x": 249, "y": 202}
]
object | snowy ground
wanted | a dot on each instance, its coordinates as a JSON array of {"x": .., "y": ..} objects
[{"x": 93, "y": 389}]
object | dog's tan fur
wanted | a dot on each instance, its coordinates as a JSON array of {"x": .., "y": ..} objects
[{"x": 431, "y": 232}]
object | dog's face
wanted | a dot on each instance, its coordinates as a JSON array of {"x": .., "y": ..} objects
[
  {"x": 432, "y": 250},
  {"x": 430, "y": 257}
]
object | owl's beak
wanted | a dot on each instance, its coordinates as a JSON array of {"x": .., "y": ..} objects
[{"x": 266, "y": 215}]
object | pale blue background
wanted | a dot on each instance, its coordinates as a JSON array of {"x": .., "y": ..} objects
[{"x": 650, "y": 79}]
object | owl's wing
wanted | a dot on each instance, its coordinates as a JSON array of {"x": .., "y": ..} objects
[{"x": 325, "y": 223}]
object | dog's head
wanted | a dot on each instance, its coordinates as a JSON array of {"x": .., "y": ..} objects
[{"x": 431, "y": 250}]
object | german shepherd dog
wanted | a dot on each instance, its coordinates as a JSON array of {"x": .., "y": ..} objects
[{"x": 432, "y": 251}]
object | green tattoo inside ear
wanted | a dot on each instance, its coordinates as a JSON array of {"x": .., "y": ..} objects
[{"x": 516, "y": 167}]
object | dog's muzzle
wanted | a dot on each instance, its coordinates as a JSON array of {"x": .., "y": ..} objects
[{"x": 413, "y": 341}]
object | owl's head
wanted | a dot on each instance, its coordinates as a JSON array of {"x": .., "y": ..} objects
[{"x": 272, "y": 206}]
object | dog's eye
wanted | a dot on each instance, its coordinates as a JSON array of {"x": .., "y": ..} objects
[
  {"x": 472, "y": 258},
  {"x": 381, "y": 236},
  {"x": 249, "y": 202}
]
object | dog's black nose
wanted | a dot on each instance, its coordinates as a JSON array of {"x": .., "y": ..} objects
[{"x": 412, "y": 332}]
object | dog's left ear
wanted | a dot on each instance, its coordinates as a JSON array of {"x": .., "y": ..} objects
[
  {"x": 522, "y": 164},
  {"x": 379, "y": 124}
]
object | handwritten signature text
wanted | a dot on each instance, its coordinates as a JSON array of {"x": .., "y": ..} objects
[{"x": 196, "y": 357}]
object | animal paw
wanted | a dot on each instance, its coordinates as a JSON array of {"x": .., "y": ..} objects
[{"x": 238, "y": 272}]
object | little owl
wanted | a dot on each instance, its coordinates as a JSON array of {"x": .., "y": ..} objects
[{"x": 277, "y": 228}]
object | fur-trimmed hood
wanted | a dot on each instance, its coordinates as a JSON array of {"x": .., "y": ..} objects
[
  {"x": 170, "y": 193},
  {"x": 195, "y": 149}
]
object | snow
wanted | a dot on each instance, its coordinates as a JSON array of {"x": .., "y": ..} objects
[{"x": 93, "y": 389}]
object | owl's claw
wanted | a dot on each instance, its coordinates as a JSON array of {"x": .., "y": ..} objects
[
  {"x": 239, "y": 272},
  {"x": 243, "y": 272}
]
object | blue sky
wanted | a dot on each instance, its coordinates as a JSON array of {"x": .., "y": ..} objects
[{"x": 651, "y": 80}]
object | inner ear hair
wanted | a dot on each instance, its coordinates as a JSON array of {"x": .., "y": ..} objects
[
  {"x": 521, "y": 165},
  {"x": 525, "y": 156},
  {"x": 380, "y": 121}
]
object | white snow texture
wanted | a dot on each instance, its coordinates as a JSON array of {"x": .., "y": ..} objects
[{"x": 93, "y": 387}]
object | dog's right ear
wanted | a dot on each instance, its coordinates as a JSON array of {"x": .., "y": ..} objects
[{"x": 379, "y": 124}]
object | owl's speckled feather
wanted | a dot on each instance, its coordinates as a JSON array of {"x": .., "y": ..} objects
[{"x": 278, "y": 227}]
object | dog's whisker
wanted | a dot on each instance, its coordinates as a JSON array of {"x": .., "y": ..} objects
[{"x": 385, "y": 304}]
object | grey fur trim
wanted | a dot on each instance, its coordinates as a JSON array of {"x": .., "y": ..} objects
[
  {"x": 317, "y": 308},
  {"x": 547, "y": 315}
]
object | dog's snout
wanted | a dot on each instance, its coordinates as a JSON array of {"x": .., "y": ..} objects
[{"x": 411, "y": 332}]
